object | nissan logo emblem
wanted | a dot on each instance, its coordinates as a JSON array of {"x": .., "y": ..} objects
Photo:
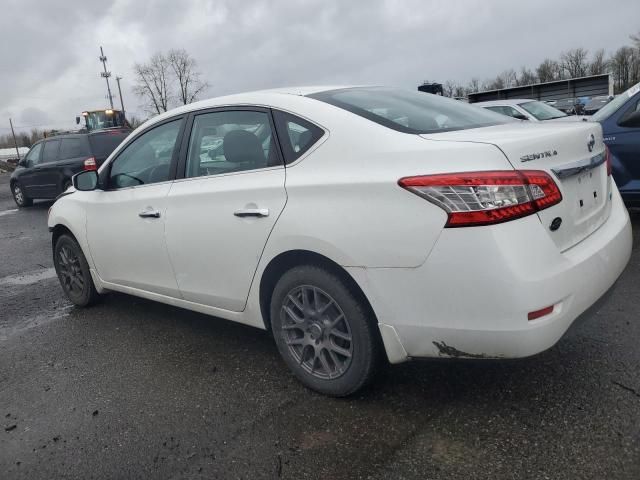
[{"x": 591, "y": 142}]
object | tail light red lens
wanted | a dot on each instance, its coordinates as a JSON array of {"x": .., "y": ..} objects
[
  {"x": 90, "y": 164},
  {"x": 607, "y": 158},
  {"x": 486, "y": 198}
]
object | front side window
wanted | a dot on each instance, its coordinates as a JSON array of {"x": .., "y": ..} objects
[
  {"x": 230, "y": 141},
  {"x": 34, "y": 154},
  {"x": 147, "y": 159},
  {"x": 73, "y": 148},
  {"x": 50, "y": 151},
  {"x": 408, "y": 111},
  {"x": 296, "y": 135},
  {"x": 613, "y": 106},
  {"x": 542, "y": 111}
]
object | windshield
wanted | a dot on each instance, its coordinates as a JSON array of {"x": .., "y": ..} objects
[
  {"x": 615, "y": 104},
  {"x": 542, "y": 111},
  {"x": 101, "y": 119},
  {"x": 410, "y": 112}
]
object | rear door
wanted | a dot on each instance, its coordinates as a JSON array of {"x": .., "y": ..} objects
[
  {"x": 221, "y": 213},
  {"x": 44, "y": 179}
]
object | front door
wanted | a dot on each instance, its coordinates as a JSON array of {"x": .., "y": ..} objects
[
  {"x": 220, "y": 215},
  {"x": 126, "y": 220}
]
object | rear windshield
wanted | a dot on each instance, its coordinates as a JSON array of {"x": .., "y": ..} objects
[
  {"x": 102, "y": 144},
  {"x": 410, "y": 112}
]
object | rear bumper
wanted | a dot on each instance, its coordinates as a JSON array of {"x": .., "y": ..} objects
[{"x": 472, "y": 295}]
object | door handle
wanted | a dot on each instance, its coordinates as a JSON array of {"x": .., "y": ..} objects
[
  {"x": 149, "y": 214},
  {"x": 252, "y": 212}
]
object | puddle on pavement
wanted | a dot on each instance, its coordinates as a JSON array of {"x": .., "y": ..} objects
[{"x": 29, "y": 277}]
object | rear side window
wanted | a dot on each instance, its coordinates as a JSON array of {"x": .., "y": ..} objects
[
  {"x": 50, "y": 151},
  {"x": 295, "y": 134},
  {"x": 104, "y": 143},
  {"x": 73, "y": 148}
]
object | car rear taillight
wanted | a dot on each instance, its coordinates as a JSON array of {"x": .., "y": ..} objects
[
  {"x": 607, "y": 159},
  {"x": 486, "y": 198},
  {"x": 90, "y": 164}
]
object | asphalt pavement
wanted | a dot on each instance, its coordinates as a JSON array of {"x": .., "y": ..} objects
[{"x": 134, "y": 389}]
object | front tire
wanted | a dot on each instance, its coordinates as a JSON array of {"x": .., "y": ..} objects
[
  {"x": 323, "y": 331},
  {"x": 73, "y": 272},
  {"x": 19, "y": 196}
]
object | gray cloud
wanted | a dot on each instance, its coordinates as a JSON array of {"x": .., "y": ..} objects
[{"x": 49, "y": 50}]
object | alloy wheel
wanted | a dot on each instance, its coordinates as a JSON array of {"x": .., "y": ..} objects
[
  {"x": 70, "y": 271},
  {"x": 18, "y": 195},
  {"x": 317, "y": 332}
]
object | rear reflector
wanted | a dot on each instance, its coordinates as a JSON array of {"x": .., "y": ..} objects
[
  {"x": 90, "y": 164},
  {"x": 485, "y": 198},
  {"x": 607, "y": 159},
  {"x": 540, "y": 313}
]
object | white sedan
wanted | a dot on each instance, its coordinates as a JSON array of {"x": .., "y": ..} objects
[
  {"x": 357, "y": 224},
  {"x": 523, "y": 109}
]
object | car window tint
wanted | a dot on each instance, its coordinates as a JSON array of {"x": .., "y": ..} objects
[
  {"x": 296, "y": 135},
  {"x": 73, "y": 148},
  {"x": 147, "y": 159},
  {"x": 34, "y": 154},
  {"x": 50, "y": 151},
  {"x": 230, "y": 141}
]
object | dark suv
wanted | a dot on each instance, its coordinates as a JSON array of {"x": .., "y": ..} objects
[{"x": 46, "y": 171}]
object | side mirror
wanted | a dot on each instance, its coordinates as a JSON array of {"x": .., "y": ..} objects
[
  {"x": 520, "y": 116},
  {"x": 77, "y": 120},
  {"x": 85, "y": 181},
  {"x": 630, "y": 121},
  {"x": 23, "y": 163}
]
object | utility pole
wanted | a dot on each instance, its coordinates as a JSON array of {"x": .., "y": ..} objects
[
  {"x": 106, "y": 74},
  {"x": 120, "y": 93},
  {"x": 14, "y": 139}
]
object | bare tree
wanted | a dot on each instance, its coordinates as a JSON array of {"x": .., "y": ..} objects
[
  {"x": 625, "y": 66},
  {"x": 598, "y": 64},
  {"x": 474, "y": 86},
  {"x": 184, "y": 69},
  {"x": 449, "y": 88},
  {"x": 153, "y": 83},
  {"x": 527, "y": 77},
  {"x": 548, "y": 71},
  {"x": 636, "y": 40},
  {"x": 574, "y": 62}
]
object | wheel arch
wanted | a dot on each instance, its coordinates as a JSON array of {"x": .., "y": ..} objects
[
  {"x": 58, "y": 230},
  {"x": 285, "y": 261}
]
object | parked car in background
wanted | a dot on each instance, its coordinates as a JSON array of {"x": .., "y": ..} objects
[
  {"x": 524, "y": 109},
  {"x": 620, "y": 120},
  {"x": 596, "y": 103},
  {"x": 570, "y": 106},
  {"x": 356, "y": 224},
  {"x": 46, "y": 171}
]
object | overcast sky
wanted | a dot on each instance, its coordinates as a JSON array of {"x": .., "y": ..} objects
[{"x": 49, "y": 50}]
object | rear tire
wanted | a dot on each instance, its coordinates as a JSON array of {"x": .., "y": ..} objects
[
  {"x": 323, "y": 331},
  {"x": 19, "y": 196},
  {"x": 73, "y": 272}
]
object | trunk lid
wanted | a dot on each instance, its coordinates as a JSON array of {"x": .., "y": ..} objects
[{"x": 572, "y": 153}]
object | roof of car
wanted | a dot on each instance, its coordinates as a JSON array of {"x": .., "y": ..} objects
[
  {"x": 510, "y": 101},
  {"x": 276, "y": 97}
]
